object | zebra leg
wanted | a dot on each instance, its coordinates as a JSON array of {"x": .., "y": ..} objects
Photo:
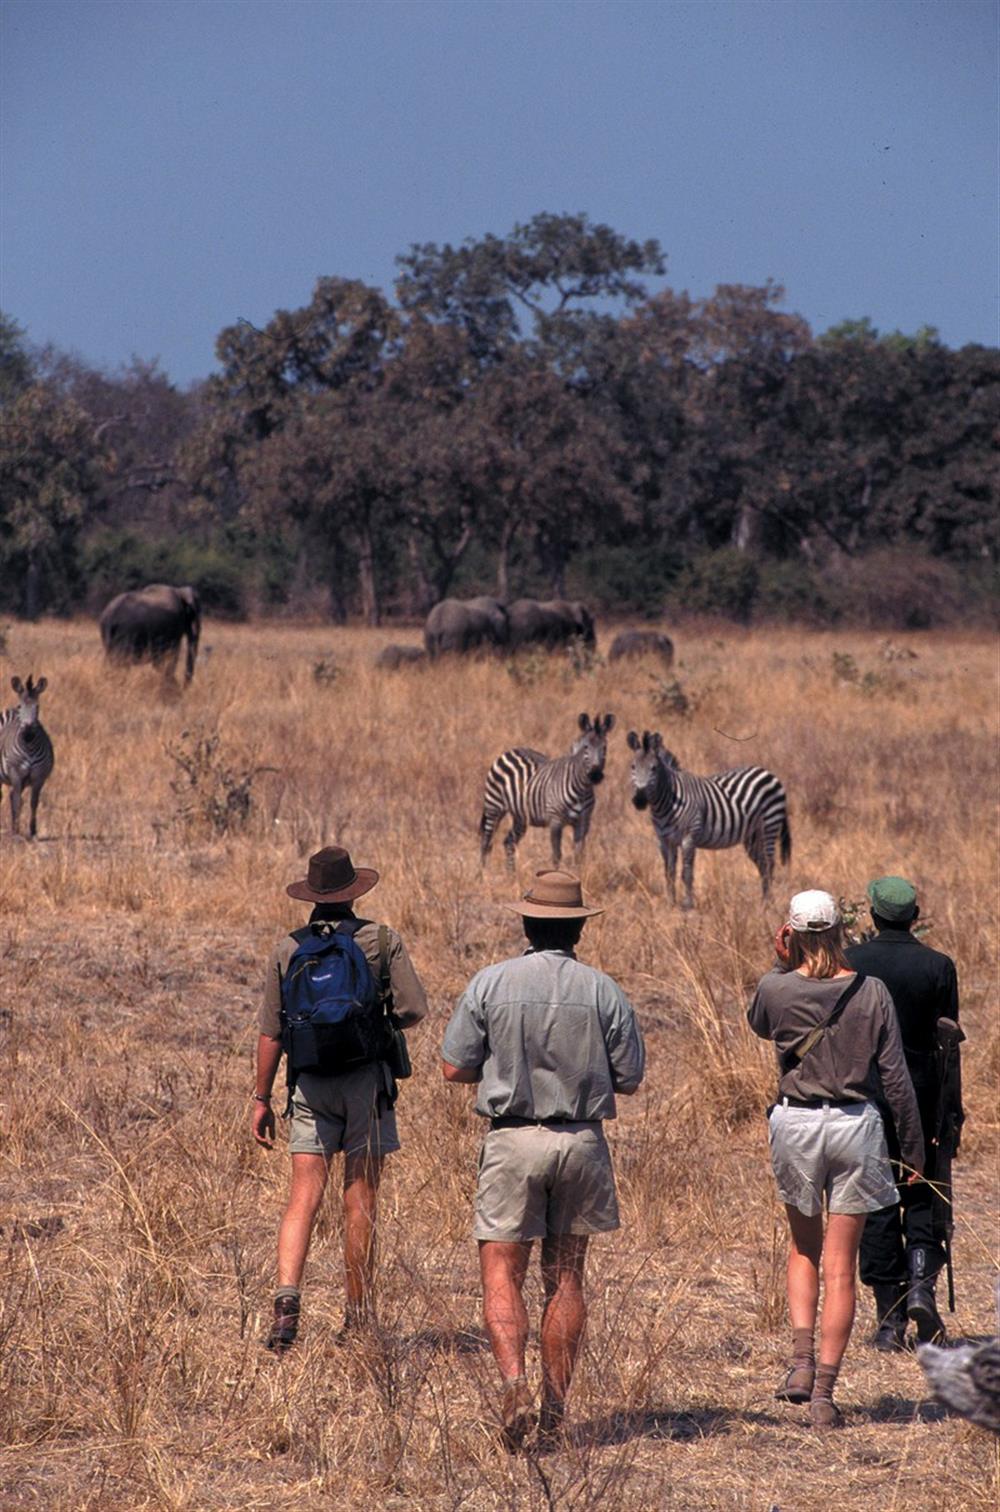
[
  {"x": 581, "y": 829},
  {"x": 555, "y": 839},
  {"x": 687, "y": 872},
  {"x": 487, "y": 829},
  {"x": 510, "y": 840},
  {"x": 36, "y": 793},
  {"x": 760, "y": 848},
  {"x": 15, "y": 804},
  {"x": 669, "y": 853}
]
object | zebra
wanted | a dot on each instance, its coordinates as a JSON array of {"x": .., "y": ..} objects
[
  {"x": 537, "y": 789},
  {"x": 746, "y": 804},
  {"x": 26, "y": 757}
]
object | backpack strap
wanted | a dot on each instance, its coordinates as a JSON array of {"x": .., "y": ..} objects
[
  {"x": 797, "y": 1053},
  {"x": 384, "y": 980}
]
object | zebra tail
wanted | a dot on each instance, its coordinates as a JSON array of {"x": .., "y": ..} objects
[{"x": 786, "y": 842}]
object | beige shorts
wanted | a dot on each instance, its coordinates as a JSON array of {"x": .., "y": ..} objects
[
  {"x": 540, "y": 1181},
  {"x": 334, "y": 1113},
  {"x": 834, "y": 1152}
]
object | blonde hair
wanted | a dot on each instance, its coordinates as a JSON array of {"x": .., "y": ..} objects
[{"x": 818, "y": 952}]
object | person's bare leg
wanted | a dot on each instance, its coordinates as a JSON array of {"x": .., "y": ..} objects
[
  {"x": 309, "y": 1173},
  {"x": 503, "y": 1268},
  {"x": 362, "y": 1174},
  {"x": 804, "y": 1254},
  {"x": 563, "y": 1321},
  {"x": 840, "y": 1257}
]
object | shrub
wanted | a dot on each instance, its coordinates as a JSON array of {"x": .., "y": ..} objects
[{"x": 721, "y": 582}]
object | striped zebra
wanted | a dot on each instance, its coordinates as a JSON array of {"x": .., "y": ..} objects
[
  {"x": 26, "y": 757},
  {"x": 745, "y": 805},
  {"x": 537, "y": 789}
]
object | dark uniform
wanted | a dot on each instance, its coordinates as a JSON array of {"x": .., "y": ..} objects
[{"x": 902, "y": 1247}]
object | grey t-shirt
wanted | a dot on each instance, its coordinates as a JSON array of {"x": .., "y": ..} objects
[
  {"x": 859, "y": 1056},
  {"x": 551, "y": 1038}
]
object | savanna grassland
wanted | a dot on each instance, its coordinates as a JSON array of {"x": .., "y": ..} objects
[{"x": 138, "y": 1220}]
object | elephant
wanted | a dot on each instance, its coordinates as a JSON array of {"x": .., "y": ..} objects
[
  {"x": 642, "y": 643},
  {"x": 148, "y": 624},
  {"x": 466, "y": 625},
  {"x": 392, "y": 657},
  {"x": 550, "y": 623}
]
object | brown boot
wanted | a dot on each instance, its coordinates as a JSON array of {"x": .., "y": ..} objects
[
  {"x": 285, "y": 1325},
  {"x": 551, "y": 1420},
  {"x": 517, "y": 1413}
]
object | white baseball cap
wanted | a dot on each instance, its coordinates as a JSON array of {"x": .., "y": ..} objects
[{"x": 812, "y": 911}]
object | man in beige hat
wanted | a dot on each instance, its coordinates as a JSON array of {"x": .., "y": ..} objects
[
  {"x": 550, "y": 1042},
  {"x": 349, "y": 1111}
]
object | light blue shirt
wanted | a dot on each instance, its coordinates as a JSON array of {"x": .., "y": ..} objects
[{"x": 550, "y": 1037}]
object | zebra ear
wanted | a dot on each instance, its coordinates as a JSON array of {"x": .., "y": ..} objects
[
  {"x": 584, "y": 721},
  {"x": 656, "y": 741},
  {"x": 633, "y": 740},
  {"x": 17, "y": 685},
  {"x": 609, "y": 723},
  {"x": 41, "y": 685}
]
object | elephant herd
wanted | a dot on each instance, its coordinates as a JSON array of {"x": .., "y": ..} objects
[
  {"x": 149, "y": 624},
  {"x": 477, "y": 624},
  {"x": 484, "y": 623}
]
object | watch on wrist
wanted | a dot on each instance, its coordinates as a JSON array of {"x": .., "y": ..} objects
[{"x": 257, "y": 1098}]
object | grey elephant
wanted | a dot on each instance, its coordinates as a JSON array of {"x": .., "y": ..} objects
[
  {"x": 635, "y": 643},
  {"x": 392, "y": 657},
  {"x": 466, "y": 625},
  {"x": 550, "y": 623},
  {"x": 148, "y": 624}
]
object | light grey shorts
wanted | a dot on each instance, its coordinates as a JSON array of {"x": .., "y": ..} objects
[
  {"x": 334, "y": 1113},
  {"x": 542, "y": 1181},
  {"x": 834, "y": 1152}
]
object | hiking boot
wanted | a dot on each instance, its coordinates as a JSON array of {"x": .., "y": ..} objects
[
  {"x": 890, "y": 1312},
  {"x": 823, "y": 1413},
  {"x": 354, "y": 1326},
  {"x": 797, "y": 1385},
  {"x": 517, "y": 1413},
  {"x": 922, "y": 1267},
  {"x": 285, "y": 1325}
]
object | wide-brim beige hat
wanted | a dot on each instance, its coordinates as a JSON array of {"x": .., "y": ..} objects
[
  {"x": 333, "y": 878},
  {"x": 554, "y": 895}
]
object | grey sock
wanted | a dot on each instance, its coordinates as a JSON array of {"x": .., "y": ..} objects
[{"x": 288, "y": 1291}]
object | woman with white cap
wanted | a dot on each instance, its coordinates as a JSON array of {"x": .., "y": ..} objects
[{"x": 836, "y": 1037}]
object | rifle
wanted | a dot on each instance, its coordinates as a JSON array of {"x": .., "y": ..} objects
[{"x": 948, "y": 1124}]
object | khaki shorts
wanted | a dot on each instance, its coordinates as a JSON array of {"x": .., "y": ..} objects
[
  {"x": 540, "y": 1181},
  {"x": 834, "y": 1152},
  {"x": 334, "y": 1113}
]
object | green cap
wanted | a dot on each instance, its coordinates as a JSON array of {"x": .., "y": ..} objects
[{"x": 893, "y": 899}]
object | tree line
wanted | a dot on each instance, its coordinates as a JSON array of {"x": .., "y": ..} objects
[{"x": 527, "y": 414}]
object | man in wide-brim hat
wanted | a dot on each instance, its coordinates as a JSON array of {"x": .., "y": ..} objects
[
  {"x": 550, "y": 1042},
  {"x": 331, "y": 1113}
]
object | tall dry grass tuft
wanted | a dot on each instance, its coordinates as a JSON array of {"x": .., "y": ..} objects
[{"x": 137, "y": 1221}]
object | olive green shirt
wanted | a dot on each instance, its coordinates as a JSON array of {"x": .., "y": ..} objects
[
  {"x": 409, "y": 998},
  {"x": 859, "y": 1056}
]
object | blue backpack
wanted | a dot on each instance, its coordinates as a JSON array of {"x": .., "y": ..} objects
[{"x": 332, "y": 1010}]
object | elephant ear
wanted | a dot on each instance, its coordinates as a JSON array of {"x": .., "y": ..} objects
[
  {"x": 190, "y": 598},
  {"x": 633, "y": 741},
  {"x": 584, "y": 721}
]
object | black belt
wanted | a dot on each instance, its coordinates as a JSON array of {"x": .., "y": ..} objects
[
  {"x": 511, "y": 1121},
  {"x": 819, "y": 1102}
]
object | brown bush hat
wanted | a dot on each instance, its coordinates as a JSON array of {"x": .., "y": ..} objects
[
  {"x": 333, "y": 878},
  {"x": 554, "y": 895}
]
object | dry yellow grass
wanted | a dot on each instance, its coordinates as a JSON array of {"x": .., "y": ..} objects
[{"x": 138, "y": 1221}]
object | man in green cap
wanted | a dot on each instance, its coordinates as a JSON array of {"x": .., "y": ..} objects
[{"x": 902, "y": 1247}]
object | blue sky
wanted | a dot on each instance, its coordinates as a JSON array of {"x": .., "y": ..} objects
[{"x": 169, "y": 166}]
